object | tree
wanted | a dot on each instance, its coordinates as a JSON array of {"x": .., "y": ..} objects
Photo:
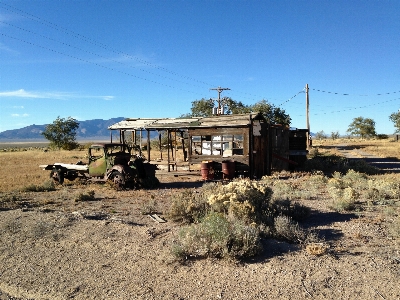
[
  {"x": 276, "y": 115},
  {"x": 320, "y": 135},
  {"x": 335, "y": 135},
  {"x": 62, "y": 133},
  {"x": 395, "y": 118},
  {"x": 201, "y": 108},
  {"x": 363, "y": 127}
]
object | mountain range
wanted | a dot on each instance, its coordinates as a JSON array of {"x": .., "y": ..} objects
[{"x": 90, "y": 129}]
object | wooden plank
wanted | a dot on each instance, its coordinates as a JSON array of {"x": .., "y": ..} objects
[{"x": 156, "y": 218}]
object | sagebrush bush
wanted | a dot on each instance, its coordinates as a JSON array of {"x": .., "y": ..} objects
[
  {"x": 289, "y": 230},
  {"x": 188, "y": 206},
  {"x": 228, "y": 219},
  {"x": 47, "y": 186},
  {"x": 216, "y": 236},
  {"x": 149, "y": 207},
  {"x": 242, "y": 199},
  {"x": 329, "y": 163},
  {"x": 383, "y": 190},
  {"x": 82, "y": 196},
  {"x": 344, "y": 199}
]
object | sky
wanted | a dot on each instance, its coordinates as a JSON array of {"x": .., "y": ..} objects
[{"x": 150, "y": 59}]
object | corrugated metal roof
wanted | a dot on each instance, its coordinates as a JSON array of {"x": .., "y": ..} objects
[{"x": 184, "y": 123}]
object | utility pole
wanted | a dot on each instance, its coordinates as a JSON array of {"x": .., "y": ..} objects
[
  {"x": 308, "y": 118},
  {"x": 219, "y": 100}
]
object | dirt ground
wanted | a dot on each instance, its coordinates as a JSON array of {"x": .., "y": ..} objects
[{"x": 57, "y": 248}]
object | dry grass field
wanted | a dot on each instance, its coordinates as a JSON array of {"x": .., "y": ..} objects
[
  {"x": 385, "y": 148},
  {"x": 88, "y": 241}
]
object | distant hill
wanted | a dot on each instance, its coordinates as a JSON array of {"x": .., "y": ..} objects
[{"x": 90, "y": 129}]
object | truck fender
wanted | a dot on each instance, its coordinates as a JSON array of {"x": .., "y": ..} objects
[{"x": 119, "y": 168}]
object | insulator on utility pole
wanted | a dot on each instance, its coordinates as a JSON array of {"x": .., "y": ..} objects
[{"x": 220, "y": 108}]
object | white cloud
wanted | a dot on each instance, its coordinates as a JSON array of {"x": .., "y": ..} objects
[
  {"x": 19, "y": 115},
  {"x": 108, "y": 97},
  {"x": 24, "y": 94},
  {"x": 21, "y": 93}
]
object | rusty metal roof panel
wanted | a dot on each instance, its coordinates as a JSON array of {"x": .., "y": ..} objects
[
  {"x": 225, "y": 121},
  {"x": 153, "y": 124},
  {"x": 132, "y": 124},
  {"x": 172, "y": 123},
  {"x": 237, "y": 120}
]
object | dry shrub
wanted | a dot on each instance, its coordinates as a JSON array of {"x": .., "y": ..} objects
[
  {"x": 230, "y": 218},
  {"x": 188, "y": 206},
  {"x": 47, "y": 186},
  {"x": 149, "y": 207},
  {"x": 383, "y": 189},
  {"x": 82, "y": 196},
  {"x": 216, "y": 236},
  {"x": 344, "y": 200},
  {"x": 316, "y": 249},
  {"x": 394, "y": 227},
  {"x": 245, "y": 200},
  {"x": 10, "y": 201},
  {"x": 287, "y": 229}
]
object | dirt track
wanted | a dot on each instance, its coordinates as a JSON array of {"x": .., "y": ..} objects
[
  {"x": 107, "y": 249},
  {"x": 390, "y": 165}
]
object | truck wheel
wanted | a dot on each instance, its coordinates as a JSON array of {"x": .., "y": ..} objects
[
  {"x": 118, "y": 180},
  {"x": 57, "y": 176}
]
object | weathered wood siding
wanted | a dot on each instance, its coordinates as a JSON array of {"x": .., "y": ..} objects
[{"x": 280, "y": 146}]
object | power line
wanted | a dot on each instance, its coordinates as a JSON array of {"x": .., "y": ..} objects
[
  {"x": 352, "y": 108},
  {"x": 106, "y": 47},
  {"x": 346, "y": 94},
  {"x": 302, "y": 91},
  {"x": 94, "y": 42},
  {"x": 94, "y": 63},
  {"x": 92, "y": 53}
]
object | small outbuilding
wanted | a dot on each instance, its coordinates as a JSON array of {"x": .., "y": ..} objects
[{"x": 232, "y": 145}]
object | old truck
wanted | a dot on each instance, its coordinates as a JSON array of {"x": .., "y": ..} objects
[{"x": 111, "y": 162}]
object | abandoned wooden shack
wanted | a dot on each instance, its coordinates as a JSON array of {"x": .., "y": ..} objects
[{"x": 228, "y": 145}]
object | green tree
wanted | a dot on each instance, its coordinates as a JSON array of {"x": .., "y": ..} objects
[
  {"x": 363, "y": 127},
  {"x": 62, "y": 133},
  {"x": 201, "y": 108},
  {"x": 395, "y": 118},
  {"x": 276, "y": 115}
]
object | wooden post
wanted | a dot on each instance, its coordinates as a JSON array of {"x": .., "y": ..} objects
[
  {"x": 308, "y": 118},
  {"x": 183, "y": 147},
  {"x": 168, "y": 141},
  {"x": 148, "y": 145},
  {"x": 160, "y": 146}
]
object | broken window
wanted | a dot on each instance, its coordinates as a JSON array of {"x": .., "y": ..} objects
[{"x": 221, "y": 145}]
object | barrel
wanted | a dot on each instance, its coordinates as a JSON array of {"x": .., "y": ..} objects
[
  {"x": 207, "y": 170},
  {"x": 228, "y": 169}
]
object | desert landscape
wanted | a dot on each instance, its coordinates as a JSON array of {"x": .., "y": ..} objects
[{"x": 89, "y": 241}]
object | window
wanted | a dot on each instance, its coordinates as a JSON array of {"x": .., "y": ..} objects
[{"x": 222, "y": 145}]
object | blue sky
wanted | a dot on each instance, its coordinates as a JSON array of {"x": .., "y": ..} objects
[{"x": 102, "y": 59}]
